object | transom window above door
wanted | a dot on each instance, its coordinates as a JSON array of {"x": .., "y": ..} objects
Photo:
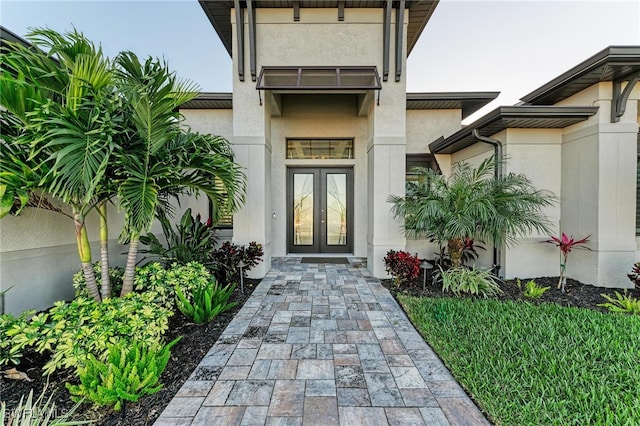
[{"x": 320, "y": 149}]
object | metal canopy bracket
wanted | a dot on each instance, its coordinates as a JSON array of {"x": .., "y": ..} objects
[
  {"x": 386, "y": 40},
  {"x": 620, "y": 97},
  {"x": 251, "y": 12},
  {"x": 341, "y": 11},
  {"x": 296, "y": 11},
  {"x": 240, "y": 36},
  {"x": 399, "y": 36}
]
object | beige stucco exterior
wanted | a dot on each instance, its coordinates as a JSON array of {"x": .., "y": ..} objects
[{"x": 591, "y": 167}]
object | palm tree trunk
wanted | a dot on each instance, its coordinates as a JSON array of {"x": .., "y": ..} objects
[
  {"x": 104, "y": 251},
  {"x": 456, "y": 245},
  {"x": 130, "y": 268},
  {"x": 84, "y": 250}
]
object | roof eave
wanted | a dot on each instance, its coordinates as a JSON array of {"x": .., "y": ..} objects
[
  {"x": 611, "y": 54},
  {"x": 460, "y": 139}
]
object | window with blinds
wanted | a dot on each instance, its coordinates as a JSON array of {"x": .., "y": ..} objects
[
  {"x": 414, "y": 161},
  {"x": 226, "y": 219}
]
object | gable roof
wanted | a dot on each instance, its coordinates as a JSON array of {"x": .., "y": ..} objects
[
  {"x": 219, "y": 14},
  {"x": 519, "y": 117},
  {"x": 612, "y": 63}
]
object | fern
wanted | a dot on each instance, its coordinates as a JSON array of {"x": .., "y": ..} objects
[{"x": 130, "y": 372}]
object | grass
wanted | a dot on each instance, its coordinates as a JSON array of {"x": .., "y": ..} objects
[{"x": 530, "y": 364}]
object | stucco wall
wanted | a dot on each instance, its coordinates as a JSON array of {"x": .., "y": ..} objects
[
  {"x": 319, "y": 39},
  {"x": 318, "y": 116},
  {"x": 38, "y": 256},
  {"x": 423, "y": 127}
]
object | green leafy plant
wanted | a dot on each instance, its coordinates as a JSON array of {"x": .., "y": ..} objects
[
  {"x": 40, "y": 412},
  {"x": 531, "y": 289},
  {"x": 566, "y": 244},
  {"x": 229, "y": 255},
  {"x": 208, "y": 301},
  {"x": 622, "y": 303},
  {"x": 471, "y": 281},
  {"x": 131, "y": 371},
  {"x": 10, "y": 352},
  {"x": 190, "y": 241},
  {"x": 73, "y": 330},
  {"x": 115, "y": 279},
  {"x": 471, "y": 203},
  {"x": 155, "y": 279},
  {"x": 403, "y": 266}
]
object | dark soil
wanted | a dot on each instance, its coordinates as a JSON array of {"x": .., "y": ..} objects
[
  {"x": 576, "y": 294},
  {"x": 185, "y": 356}
]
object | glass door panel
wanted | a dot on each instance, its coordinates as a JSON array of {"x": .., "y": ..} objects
[
  {"x": 303, "y": 220},
  {"x": 336, "y": 196}
]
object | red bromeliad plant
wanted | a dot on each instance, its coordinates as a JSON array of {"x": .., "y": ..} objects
[
  {"x": 402, "y": 266},
  {"x": 567, "y": 244}
]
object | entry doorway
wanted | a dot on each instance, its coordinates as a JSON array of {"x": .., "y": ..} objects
[{"x": 320, "y": 210}]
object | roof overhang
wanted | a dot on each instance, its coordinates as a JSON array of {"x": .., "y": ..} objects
[
  {"x": 468, "y": 102},
  {"x": 210, "y": 100},
  {"x": 516, "y": 117},
  {"x": 219, "y": 14},
  {"x": 614, "y": 63}
]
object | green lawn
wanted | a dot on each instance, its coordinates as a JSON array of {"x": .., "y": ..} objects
[{"x": 537, "y": 364}]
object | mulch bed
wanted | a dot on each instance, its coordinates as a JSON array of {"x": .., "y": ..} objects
[
  {"x": 576, "y": 294},
  {"x": 185, "y": 356}
]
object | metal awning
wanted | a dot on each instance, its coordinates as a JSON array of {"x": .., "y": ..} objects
[{"x": 319, "y": 78}]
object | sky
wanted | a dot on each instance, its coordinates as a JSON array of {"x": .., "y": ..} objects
[{"x": 510, "y": 46}]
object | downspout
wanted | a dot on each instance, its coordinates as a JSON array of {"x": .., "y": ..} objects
[{"x": 497, "y": 153}]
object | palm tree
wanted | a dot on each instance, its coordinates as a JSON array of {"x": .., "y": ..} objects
[
  {"x": 161, "y": 159},
  {"x": 471, "y": 203},
  {"x": 68, "y": 128}
]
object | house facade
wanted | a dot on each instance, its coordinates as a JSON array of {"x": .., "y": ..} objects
[
  {"x": 576, "y": 136},
  {"x": 321, "y": 121}
]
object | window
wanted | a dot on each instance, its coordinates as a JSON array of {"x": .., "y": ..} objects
[
  {"x": 427, "y": 161},
  {"x": 320, "y": 149},
  {"x": 226, "y": 220}
]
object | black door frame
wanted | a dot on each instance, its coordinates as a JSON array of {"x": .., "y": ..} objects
[{"x": 319, "y": 210}]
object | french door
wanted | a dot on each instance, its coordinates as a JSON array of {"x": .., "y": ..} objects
[{"x": 320, "y": 210}]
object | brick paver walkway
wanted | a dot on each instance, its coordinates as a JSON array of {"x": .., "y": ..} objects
[{"x": 320, "y": 345}]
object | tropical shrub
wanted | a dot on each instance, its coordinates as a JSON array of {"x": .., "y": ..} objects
[
  {"x": 531, "y": 289},
  {"x": 9, "y": 352},
  {"x": 229, "y": 255},
  {"x": 403, "y": 266},
  {"x": 471, "y": 203},
  {"x": 190, "y": 241},
  {"x": 622, "y": 303},
  {"x": 131, "y": 370},
  {"x": 471, "y": 281},
  {"x": 208, "y": 301},
  {"x": 161, "y": 283},
  {"x": 469, "y": 253},
  {"x": 566, "y": 244},
  {"x": 634, "y": 276},
  {"x": 73, "y": 330},
  {"x": 115, "y": 278}
]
